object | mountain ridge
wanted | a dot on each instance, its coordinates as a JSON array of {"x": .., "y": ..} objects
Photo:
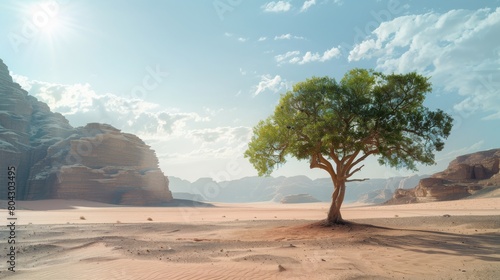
[{"x": 259, "y": 189}]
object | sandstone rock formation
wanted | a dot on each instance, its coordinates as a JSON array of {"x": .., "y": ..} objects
[
  {"x": 27, "y": 129},
  {"x": 464, "y": 176},
  {"x": 477, "y": 166},
  {"x": 54, "y": 160}
]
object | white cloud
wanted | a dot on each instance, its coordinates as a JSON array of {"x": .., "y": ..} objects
[
  {"x": 66, "y": 99},
  {"x": 283, "y": 37},
  {"x": 331, "y": 53},
  {"x": 295, "y": 60},
  {"x": 239, "y": 39},
  {"x": 80, "y": 104},
  {"x": 309, "y": 57},
  {"x": 178, "y": 137},
  {"x": 277, "y": 7},
  {"x": 293, "y": 57},
  {"x": 270, "y": 83},
  {"x": 209, "y": 144},
  {"x": 262, "y": 39},
  {"x": 23, "y": 81},
  {"x": 458, "y": 49},
  {"x": 282, "y": 57},
  {"x": 228, "y": 135},
  {"x": 288, "y": 37},
  {"x": 307, "y": 4}
]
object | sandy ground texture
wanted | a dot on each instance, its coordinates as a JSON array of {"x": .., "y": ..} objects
[{"x": 81, "y": 240}]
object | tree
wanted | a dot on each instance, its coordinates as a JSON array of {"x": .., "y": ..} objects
[{"x": 337, "y": 125}]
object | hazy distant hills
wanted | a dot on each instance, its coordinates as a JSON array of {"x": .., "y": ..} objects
[
  {"x": 257, "y": 189},
  {"x": 475, "y": 174}
]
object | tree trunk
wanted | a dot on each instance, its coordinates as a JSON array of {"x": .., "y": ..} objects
[{"x": 334, "y": 216}]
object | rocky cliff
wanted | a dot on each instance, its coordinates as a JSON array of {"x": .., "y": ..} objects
[
  {"x": 465, "y": 176},
  {"x": 54, "y": 160}
]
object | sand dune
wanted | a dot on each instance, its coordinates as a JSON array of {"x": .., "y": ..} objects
[{"x": 81, "y": 240}]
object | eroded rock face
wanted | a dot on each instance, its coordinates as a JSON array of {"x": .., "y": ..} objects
[
  {"x": 464, "y": 176},
  {"x": 100, "y": 163},
  {"x": 54, "y": 160},
  {"x": 477, "y": 166},
  {"x": 27, "y": 129}
]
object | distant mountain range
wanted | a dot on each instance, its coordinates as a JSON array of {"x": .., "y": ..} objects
[{"x": 258, "y": 189}]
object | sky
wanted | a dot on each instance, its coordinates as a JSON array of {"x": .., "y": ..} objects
[{"x": 192, "y": 78}]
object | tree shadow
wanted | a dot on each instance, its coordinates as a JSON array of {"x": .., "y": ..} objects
[{"x": 481, "y": 246}]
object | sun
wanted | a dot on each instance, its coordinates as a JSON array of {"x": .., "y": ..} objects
[
  {"x": 50, "y": 23},
  {"x": 46, "y": 17},
  {"x": 51, "y": 28}
]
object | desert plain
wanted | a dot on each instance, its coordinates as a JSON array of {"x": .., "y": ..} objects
[{"x": 71, "y": 239}]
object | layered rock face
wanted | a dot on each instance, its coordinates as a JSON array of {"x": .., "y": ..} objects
[
  {"x": 100, "y": 163},
  {"x": 54, "y": 160},
  {"x": 477, "y": 166},
  {"x": 464, "y": 176},
  {"x": 27, "y": 129}
]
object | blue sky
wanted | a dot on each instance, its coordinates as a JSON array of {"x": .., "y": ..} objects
[{"x": 192, "y": 78}]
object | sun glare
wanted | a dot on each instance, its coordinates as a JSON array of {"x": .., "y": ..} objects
[
  {"x": 51, "y": 28},
  {"x": 46, "y": 17},
  {"x": 48, "y": 24}
]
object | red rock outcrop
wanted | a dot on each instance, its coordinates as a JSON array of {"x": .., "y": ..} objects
[
  {"x": 100, "y": 163},
  {"x": 27, "y": 129},
  {"x": 464, "y": 176},
  {"x": 54, "y": 160},
  {"x": 477, "y": 166}
]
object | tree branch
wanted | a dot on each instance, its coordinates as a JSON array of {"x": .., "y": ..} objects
[
  {"x": 318, "y": 161},
  {"x": 352, "y": 157},
  {"x": 329, "y": 166},
  {"x": 334, "y": 156},
  {"x": 357, "y": 180},
  {"x": 354, "y": 171},
  {"x": 363, "y": 157},
  {"x": 315, "y": 162}
]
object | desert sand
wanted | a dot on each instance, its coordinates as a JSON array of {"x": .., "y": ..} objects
[{"x": 69, "y": 239}]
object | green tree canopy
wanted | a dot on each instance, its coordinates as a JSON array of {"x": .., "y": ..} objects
[{"x": 336, "y": 125}]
